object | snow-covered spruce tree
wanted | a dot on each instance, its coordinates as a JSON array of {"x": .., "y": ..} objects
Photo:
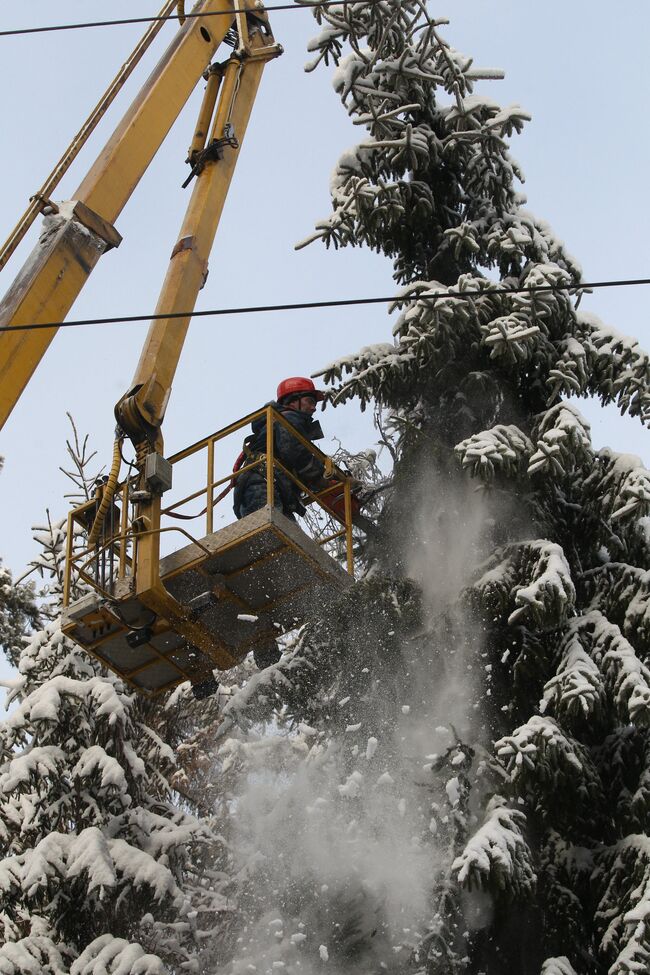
[
  {"x": 485, "y": 382},
  {"x": 18, "y": 611},
  {"x": 540, "y": 859},
  {"x": 101, "y": 869}
]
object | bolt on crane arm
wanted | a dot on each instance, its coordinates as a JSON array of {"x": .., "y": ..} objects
[{"x": 60, "y": 264}]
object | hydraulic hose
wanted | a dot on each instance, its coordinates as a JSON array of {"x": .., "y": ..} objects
[{"x": 108, "y": 495}]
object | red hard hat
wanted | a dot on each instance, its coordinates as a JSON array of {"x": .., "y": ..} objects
[{"x": 297, "y": 385}]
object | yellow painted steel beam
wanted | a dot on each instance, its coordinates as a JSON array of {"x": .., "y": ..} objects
[
  {"x": 142, "y": 410},
  {"x": 128, "y": 152},
  {"x": 349, "y": 540},
  {"x": 270, "y": 460},
  {"x": 67, "y": 252}
]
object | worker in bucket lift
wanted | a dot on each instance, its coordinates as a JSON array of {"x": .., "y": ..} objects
[{"x": 296, "y": 401}]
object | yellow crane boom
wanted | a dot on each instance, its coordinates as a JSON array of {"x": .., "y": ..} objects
[
  {"x": 60, "y": 264},
  {"x": 140, "y": 412}
]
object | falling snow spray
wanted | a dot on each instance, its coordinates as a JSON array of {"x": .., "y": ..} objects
[{"x": 338, "y": 832}]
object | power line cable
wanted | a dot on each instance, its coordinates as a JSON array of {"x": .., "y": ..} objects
[
  {"x": 189, "y": 16},
  {"x": 335, "y": 303}
]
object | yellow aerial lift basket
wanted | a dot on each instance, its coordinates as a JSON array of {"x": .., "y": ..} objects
[{"x": 229, "y": 591}]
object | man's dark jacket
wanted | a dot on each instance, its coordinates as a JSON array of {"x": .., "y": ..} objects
[{"x": 250, "y": 488}]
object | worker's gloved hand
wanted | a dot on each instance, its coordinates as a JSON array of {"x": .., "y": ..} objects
[
  {"x": 356, "y": 485},
  {"x": 363, "y": 493}
]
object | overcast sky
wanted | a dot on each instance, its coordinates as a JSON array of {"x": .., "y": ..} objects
[{"x": 579, "y": 68}]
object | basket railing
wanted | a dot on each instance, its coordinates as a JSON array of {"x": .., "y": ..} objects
[{"x": 112, "y": 560}]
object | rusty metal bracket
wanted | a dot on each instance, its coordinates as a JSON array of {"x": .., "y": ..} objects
[
  {"x": 96, "y": 224},
  {"x": 184, "y": 244}
]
